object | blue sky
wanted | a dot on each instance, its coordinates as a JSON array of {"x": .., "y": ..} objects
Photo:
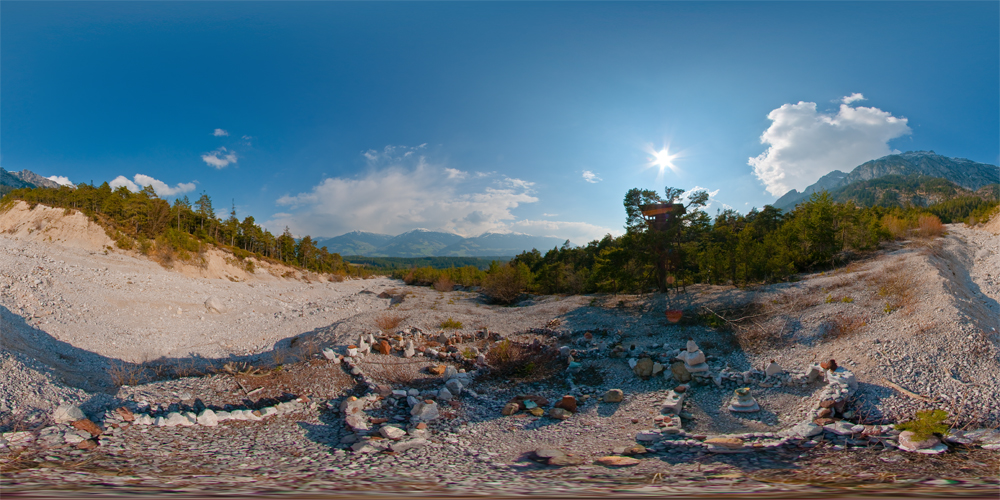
[{"x": 329, "y": 117}]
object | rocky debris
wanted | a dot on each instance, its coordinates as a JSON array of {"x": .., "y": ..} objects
[
  {"x": 616, "y": 461},
  {"x": 614, "y": 396},
  {"x": 743, "y": 402},
  {"x": 215, "y": 305},
  {"x": 65, "y": 414}
]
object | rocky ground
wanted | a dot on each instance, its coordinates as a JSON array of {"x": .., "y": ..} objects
[{"x": 912, "y": 328}]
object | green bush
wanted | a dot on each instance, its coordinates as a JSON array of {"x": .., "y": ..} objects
[
  {"x": 505, "y": 283},
  {"x": 927, "y": 424},
  {"x": 451, "y": 324}
]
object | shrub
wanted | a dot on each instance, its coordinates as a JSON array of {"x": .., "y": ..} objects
[
  {"x": 929, "y": 226},
  {"x": 897, "y": 227},
  {"x": 444, "y": 284},
  {"x": 388, "y": 322},
  {"x": 451, "y": 324},
  {"x": 508, "y": 360},
  {"x": 504, "y": 283},
  {"x": 927, "y": 424}
]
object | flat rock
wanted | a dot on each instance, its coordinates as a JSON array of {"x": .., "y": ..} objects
[
  {"x": 726, "y": 442},
  {"x": 908, "y": 443},
  {"x": 616, "y": 461},
  {"x": 390, "y": 432},
  {"x": 87, "y": 426},
  {"x": 614, "y": 396},
  {"x": 567, "y": 403}
]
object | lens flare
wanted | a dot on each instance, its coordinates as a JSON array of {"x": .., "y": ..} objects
[{"x": 662, "y": 158}]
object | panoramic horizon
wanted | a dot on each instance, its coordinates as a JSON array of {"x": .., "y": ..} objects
[{"x": 472, "y": 118}]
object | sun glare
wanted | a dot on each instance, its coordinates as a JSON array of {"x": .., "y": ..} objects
[{"x": 662, "y": 158}]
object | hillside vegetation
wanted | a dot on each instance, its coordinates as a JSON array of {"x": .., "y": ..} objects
[{"x": 145, "y": 222}]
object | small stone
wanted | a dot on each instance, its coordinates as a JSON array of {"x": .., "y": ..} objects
[
  {"x": 559, "y": 413},
  {"x": 425, "y": 411},
  {"x": 536, "y": 411},
  {"x": 510, "y": 409},
  {"x": 908, "y": 443},
  {"x": 383, "y": 347},
  {"x": 87, "y": 426},
  {"x": 615, "y": 461},
  {"x": 634, "y": 450},
  {"x": 614, "y": 396},
  {"x": 454, "y": 385},
  {"x": 643, "y": 368},
  {"x": 125, "y": 414},
  {"x": 772, "y": 369},
  {"x": 208, "y": 418},
  {"x": 546, "y": 453},
  {"x": 65, "y": 414},
  {"x": 444, "y": 394},
  {"x": 330, "y": 355},
  {"x": 390, "y": 432},
  {"x": 567, "y": 403},
  {"x": 726, "y": 442},
  {"x": 680, "y": 373},
  {"x": 214, "y": 304},
  {"x": 829, "y": 365},
  {"x": 436, "y": 369},
  {"x": 86, "y": 444},
  {"x": 408, "y": 444},
  {"x": 565, "y": 460}
]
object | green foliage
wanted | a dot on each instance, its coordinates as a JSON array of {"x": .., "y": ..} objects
[
  {"x": 927, "y": 424},
  {"x": 451, "y": 324},
  {"x": 504, "y": 283},
  {"x": 407, "y": 263},
  {"x": 144, "y": 221}
]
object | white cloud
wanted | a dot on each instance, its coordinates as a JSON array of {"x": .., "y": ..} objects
[
  {"x": 852, "y": 98},
  {"x": 392, "y": 154},
  {"x": 455, "y": 173},
  {"x": 711, "y": 197},
  {"x": 399, "y": 198},
  {"x": 64, "y": 181},
  {"x": 161, "y": 188},
  {"x": 220, "y": 158},
  {"x": 806, "y": 144},
  {"x": 579, "y": 233},
  {"x": 220, "y": 133},
  {"x": 591, "y": 177}
]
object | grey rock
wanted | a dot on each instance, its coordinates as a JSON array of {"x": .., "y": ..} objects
[
  {"x": 214, "y": 304},
  {"x": 66, "y": 414},
  {"x": 207, "y": 418}
]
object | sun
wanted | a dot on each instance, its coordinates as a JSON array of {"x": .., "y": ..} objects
[{"x": 662, "y": 158}]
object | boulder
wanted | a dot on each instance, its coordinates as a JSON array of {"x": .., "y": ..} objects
[
  {"x": 214, "y": 304},
  {"x": 445, "y": 395},
  {"x": 454, "y": 385},
  {"x": 65, "y": 414}
]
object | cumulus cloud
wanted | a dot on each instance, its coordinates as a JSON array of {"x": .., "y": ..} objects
[
  {"x": 220, "y": 133},
  {"x": 161, "y": 188},
  {"x": 805, "y": 144},
  {"x": 712, "y": 201},
  {"x": 220, "y": 158},
  {"x": 591, "y": 177},
  {"x": 392, "y": 154},
  {"x": 64, "y": 181},
  {"x": 398, "y": 198}
]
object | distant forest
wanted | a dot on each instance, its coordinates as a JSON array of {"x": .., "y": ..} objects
[{"x": 395, "y": 263}]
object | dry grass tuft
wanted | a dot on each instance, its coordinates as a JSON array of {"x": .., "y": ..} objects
[
  {"x": 513, "y": 361},
  {"x": 895, "y": 283},
  {"x": 388, "y": 322},
  {"x": 842, "y": 326},
  {"x": 122, "y": 373},
  {"x": 929, "y": 226}
]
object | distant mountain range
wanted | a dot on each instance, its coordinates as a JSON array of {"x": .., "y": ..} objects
[
  {"x": 10, "y": 181},
  {"x": 424, "y": 243},
  {"x": 966, "y": 174}
]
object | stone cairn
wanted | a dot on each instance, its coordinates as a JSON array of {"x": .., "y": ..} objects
[{"x": 743, "y": 402}]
